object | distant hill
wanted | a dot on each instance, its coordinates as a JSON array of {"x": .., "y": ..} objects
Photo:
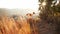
[{"x": 9, "y": 12}]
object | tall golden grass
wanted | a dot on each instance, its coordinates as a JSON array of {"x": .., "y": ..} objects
[{"x": 9, "y": 25}]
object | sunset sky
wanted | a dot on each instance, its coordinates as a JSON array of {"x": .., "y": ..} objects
[{"x": 21, "y": 4}]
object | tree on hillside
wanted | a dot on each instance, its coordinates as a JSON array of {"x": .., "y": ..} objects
[{"x": 50, "y": 12}]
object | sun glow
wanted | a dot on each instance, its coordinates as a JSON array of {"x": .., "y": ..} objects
[
  {"x": 21, "y": 4},
  {"x": 44, "y": 3}
]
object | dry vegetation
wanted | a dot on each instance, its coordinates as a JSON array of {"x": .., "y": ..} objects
[{"x": 9, "y": 25}]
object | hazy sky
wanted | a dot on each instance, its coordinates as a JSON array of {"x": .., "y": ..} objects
[{"x": 21, "y": 4}]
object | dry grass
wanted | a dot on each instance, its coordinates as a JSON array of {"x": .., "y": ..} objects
[{"x": 10, "y": 26}]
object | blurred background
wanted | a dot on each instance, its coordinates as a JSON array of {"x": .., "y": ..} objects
[{"x": 29, "y": 16}]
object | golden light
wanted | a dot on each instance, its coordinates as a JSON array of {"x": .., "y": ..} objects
[
  {"x": 30, "y": 5},
  {"x": 44, "y": 3}
]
